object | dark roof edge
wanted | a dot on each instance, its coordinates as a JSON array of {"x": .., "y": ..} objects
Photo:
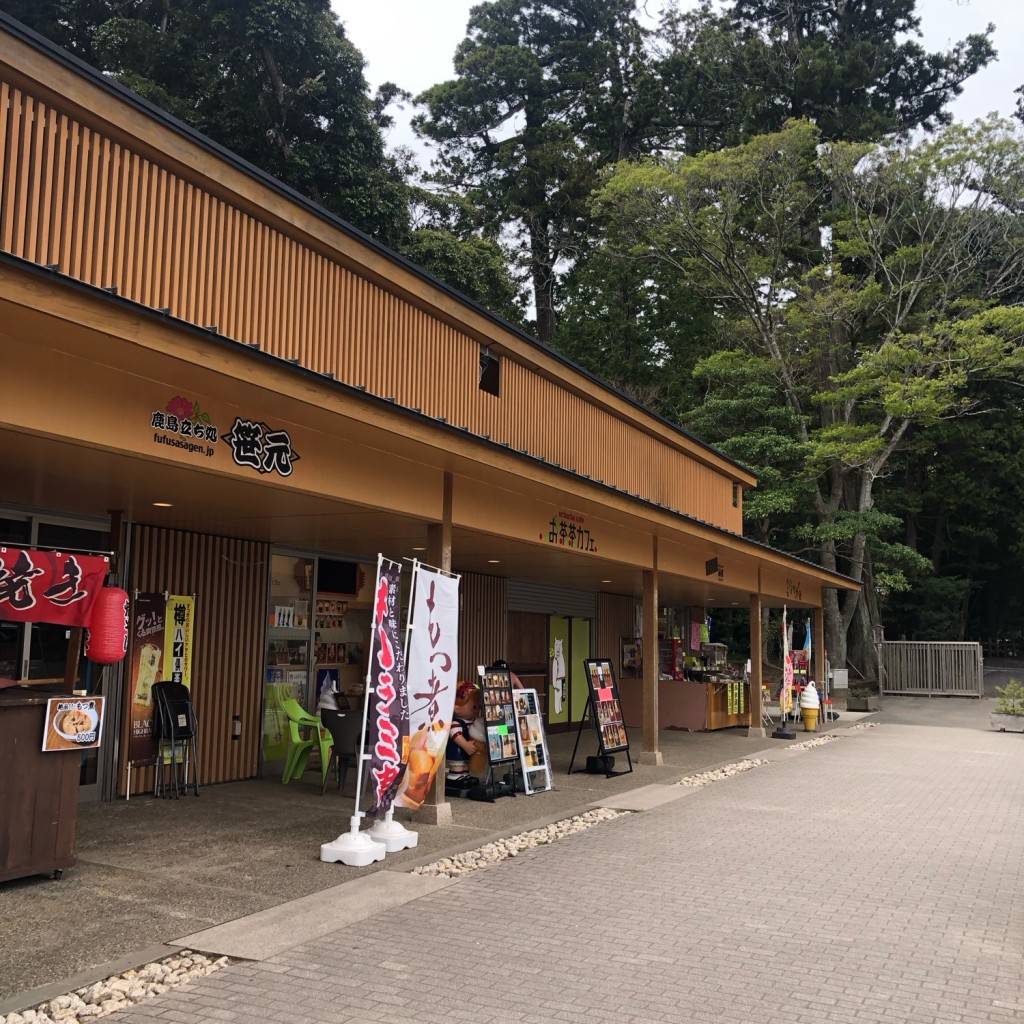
[{"x": 39, "y": 42}]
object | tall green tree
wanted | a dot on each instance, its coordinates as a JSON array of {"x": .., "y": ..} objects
[
  {"x": 882, "y": 329},
  {"x": 545, "y": 93},
  {"x": 854, "y": 67},
  {"x": 276, "y": 81}
]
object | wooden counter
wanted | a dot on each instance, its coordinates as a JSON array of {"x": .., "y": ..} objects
[
  {"x": 38, "y": 792},
  {"x": 684, "y": 704}
]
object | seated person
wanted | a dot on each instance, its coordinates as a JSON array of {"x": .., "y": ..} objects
[
  {"x": 501, "y": 663},
  {"x": 461, "y": 747}
]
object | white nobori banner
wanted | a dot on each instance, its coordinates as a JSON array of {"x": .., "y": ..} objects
[{"x": 432, "y": 671}]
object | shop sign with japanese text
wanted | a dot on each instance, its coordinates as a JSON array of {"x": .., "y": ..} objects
[
  {"x": 49, "y": 586},
  {"x": 569, "y": 530},
  {"x": 253, "y": 444}
]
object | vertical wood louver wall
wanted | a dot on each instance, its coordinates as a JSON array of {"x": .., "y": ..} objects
[
  {"x": 483, "y": 601},
  {"x": 616, "y": 619},
  {"x": 74, "y": 198},
  {"x": 229, "y": 579}
]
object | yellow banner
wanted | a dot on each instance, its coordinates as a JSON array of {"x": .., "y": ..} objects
[{"x": 178, "y": 630}]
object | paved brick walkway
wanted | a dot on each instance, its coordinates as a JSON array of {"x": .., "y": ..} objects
[{"x": 733, "y": 903}]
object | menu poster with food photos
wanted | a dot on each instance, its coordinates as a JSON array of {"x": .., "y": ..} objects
[
  {"x": 499, "y": 715},
  {"x": 605, "y": 705},
  {"x": 73, "y": 723},
  {"x": 533, "y": 746}
]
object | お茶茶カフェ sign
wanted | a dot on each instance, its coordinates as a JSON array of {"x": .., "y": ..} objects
[
  {"x": 569, "y": 530},
  {"x": 255, "y": 445}
]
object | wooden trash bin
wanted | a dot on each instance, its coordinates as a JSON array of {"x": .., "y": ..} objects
[{"x": 38, "y": 791}]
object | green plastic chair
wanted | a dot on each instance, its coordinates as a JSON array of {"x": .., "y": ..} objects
[{"x": 302, "y": 746}]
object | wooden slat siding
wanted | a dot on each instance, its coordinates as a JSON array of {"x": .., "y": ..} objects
[
  {"x": 932, "y": 668},
  {"x": 12, "y": 131},
  {"x": 615, "y": 620},
  {"x": 482, "y": 621},
  {"x": 120, "y": 219},
  {"x": 229, "y": 579}
]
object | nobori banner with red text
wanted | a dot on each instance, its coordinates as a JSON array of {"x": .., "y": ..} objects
[
  {"x": 49, "y": 586},
  {"x": 388, "y": 697},
  {"x": 433, "y": 674}
]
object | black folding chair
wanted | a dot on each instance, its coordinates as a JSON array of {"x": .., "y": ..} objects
[
  {"x": 176, "y": 730},
  {"x": 344, "y": 727}
]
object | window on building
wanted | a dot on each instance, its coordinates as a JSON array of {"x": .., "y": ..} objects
[
  {"x": 735, "y": 495},
  {"x": 490, "y": 372}
]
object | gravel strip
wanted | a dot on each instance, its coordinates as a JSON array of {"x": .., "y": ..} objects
[
  {"x": 511, "y": 846},
  {"x": 864, "y": 725},
  {"x": 818, "y": 741},
  {"x": 706, "y": 778},
  {"x": 119, "y": 991}
]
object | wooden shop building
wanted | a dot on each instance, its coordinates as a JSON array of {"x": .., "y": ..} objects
[{"x": 245, "y": 399}]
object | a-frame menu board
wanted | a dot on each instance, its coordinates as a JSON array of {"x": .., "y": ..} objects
[
  {"x": 499, "y": 716},
  {"x": 533, "y": 746},
  {"x": 605, "y": 712}
]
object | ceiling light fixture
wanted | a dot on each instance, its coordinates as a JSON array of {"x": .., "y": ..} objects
[
  {"x": 493, "y": 561},
  {"x": 162, "y": 504}
]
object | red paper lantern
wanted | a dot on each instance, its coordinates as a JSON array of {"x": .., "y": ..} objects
[{"x": 106, "y": 639}]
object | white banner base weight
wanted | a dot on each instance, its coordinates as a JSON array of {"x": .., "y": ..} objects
[
  {"x": 393, "y": 834},
  {"x": 354, "y": 848}
]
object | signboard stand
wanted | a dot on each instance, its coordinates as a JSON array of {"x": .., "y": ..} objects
[
  {"x": 533, "y": 745},
  {"x": 502, "y": 738},
  {"x": 605, "y": 713}
]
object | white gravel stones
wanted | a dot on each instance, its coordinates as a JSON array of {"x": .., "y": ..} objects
[
  {"x": 864, "y": 725},
  {"x": 120, "y": 991},
  {"x": 511, "y": 846},
  {"x": 818, "y": 741},
  {"x": 717, "y": 774}
]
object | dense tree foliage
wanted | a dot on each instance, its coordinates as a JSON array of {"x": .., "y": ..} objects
[
  {"x": 545, "y": 94},
  {"x": 885, "y": 318}
]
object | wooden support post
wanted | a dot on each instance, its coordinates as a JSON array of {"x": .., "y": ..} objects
[
  {"x": 756, "y": 728},
  {"x": 649, "y": 751},
  {"x": 818, "y": 654},
  {"x": 75, "y": 634}
]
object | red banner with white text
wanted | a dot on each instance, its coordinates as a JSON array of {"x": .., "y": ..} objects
[
  {"x": 388, "y": 708},
  {"x": 49, "y": 586}
]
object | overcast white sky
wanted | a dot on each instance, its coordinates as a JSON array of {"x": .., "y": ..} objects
[{"x": 411, "y": 43}]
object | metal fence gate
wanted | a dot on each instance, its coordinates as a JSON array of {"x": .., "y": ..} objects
[{"x": 932, "y": 669}]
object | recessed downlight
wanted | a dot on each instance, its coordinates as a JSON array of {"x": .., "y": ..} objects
[
  {"x": 162, "y": 504},
  {"x": 493, "y": 561}
]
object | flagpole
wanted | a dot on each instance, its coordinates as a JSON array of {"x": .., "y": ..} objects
[
  {"x": 355, "y": 848},
  {"x": 783, "y": 732},
  {"x": 393, "y": 834}
]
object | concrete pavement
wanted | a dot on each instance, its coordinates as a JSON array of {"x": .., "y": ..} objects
[{"x": 877, "y": 878}]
